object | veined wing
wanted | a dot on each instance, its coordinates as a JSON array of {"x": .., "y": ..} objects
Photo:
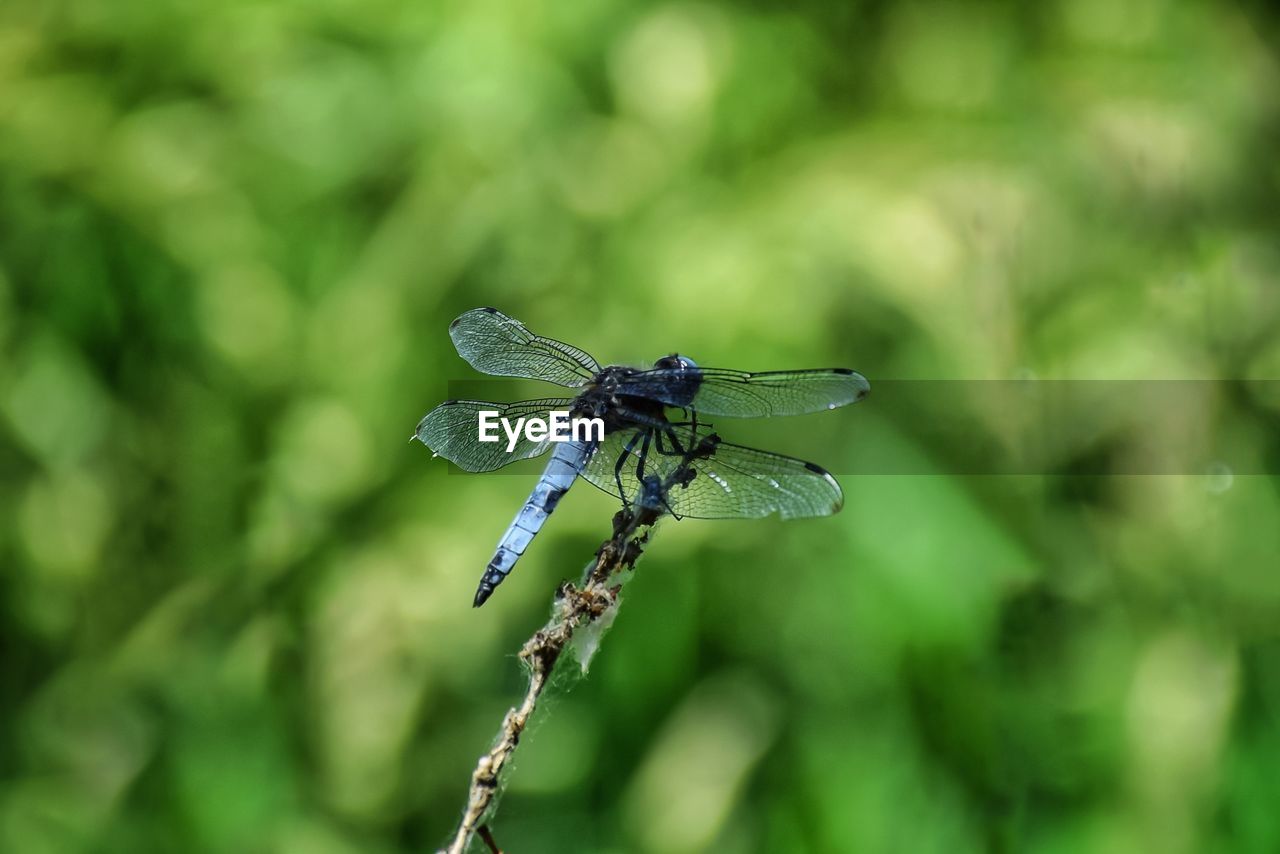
[
  {"x": 452, "y": 431},
  {"x": 493, "y": 343},
  {"x": 731, "y": 482},
  {"x": 740, "y": 394}
]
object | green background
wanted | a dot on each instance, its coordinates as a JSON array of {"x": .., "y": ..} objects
[{"x": 235, "y": 602}]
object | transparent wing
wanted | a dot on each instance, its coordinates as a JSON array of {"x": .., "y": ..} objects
[
  {"x": 451, "y": 430},
  {"x": 731, "y": 482},
  {"x": 739, "y": 394},
  {"x": 493, "y": 343}
]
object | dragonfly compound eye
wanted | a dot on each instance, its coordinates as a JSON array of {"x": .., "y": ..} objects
[{"x": 675, "y": 360}]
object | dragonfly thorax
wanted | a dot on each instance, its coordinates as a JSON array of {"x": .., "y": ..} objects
[
  {"x": 609, "y": 397},
  {"x": 616, "y": 410},
  {"x": 610, "y": 379}
]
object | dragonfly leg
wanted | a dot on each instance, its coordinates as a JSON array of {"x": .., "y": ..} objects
[
  {"x": 677, "y": 447},
  {"x": 675, "y": 450},
  {"x": 643, "y": 455},
  {"x": 617, "y": 467},
  {"x": 657, "y": 442}
]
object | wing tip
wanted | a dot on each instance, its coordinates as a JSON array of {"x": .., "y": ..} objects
[
  {"x": 861, "y": 388},
  {"x": 835, "y": 484},
  {"x": 486, "y": 309}
]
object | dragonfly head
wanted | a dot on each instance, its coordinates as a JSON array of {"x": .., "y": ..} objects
[{"x": 675, "y": 360}]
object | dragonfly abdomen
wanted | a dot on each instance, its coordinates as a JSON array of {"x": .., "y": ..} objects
[{"x": 562, "y": 469}]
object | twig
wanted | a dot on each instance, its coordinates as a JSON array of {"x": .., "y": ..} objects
[
  {"x": 574, "y": 609},
  {"x": 487, "y": 838}
]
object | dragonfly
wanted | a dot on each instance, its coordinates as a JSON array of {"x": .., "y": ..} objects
[{"x": 657, "y": 452}]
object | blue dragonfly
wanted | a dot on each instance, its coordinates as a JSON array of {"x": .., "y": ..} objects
[{"x": 649, "y": 456}]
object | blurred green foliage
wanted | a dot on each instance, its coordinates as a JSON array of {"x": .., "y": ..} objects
[{"x": 235, "y": 603}]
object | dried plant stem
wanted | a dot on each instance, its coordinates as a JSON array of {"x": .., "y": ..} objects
[{"x": 574, "y": 609}]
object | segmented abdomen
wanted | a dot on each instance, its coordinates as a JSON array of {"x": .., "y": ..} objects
[{"x": 564, "y": 466}]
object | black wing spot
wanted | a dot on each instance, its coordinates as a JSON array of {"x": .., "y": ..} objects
[
  {"x": 817, "y": 469},
  {"x": 842, "y": 370},
  {"x": 487, "y": 309}
]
